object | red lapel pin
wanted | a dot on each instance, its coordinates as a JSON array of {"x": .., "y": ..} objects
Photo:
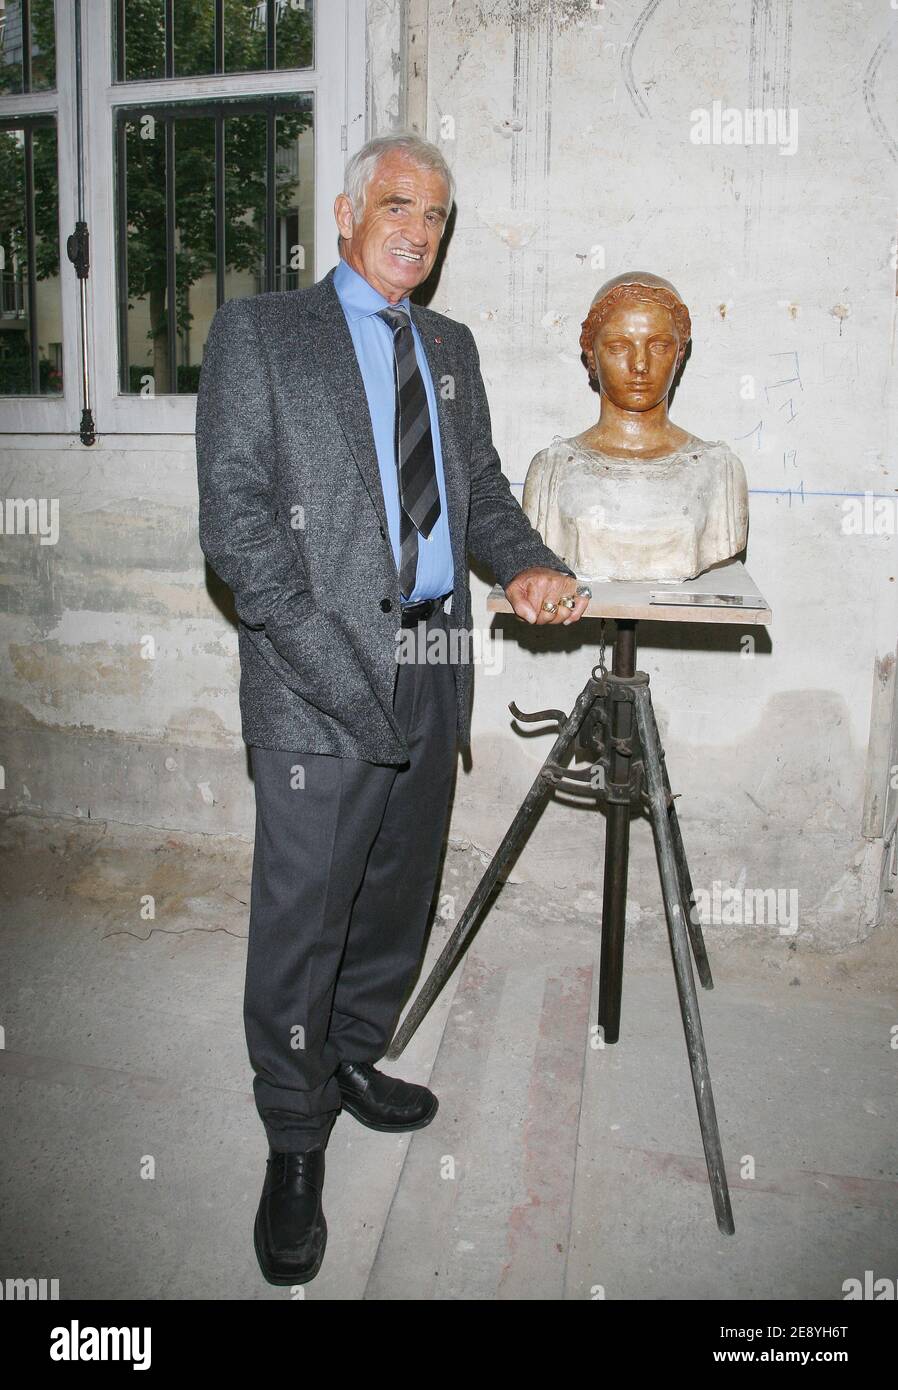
[{"x": 438, "y": 340}]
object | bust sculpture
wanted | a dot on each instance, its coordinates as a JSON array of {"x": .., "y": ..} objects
[{"x": 634, "y": 496}]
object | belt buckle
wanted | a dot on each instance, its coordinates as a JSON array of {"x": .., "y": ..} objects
[
  {"x": 412, "y": 612},
  {"x": 423, "y": 608}
]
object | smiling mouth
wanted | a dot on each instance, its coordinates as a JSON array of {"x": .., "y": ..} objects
[{"x": 414, "y": 256}]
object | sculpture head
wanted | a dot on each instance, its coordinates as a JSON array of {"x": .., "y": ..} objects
[{"x": 634, "y": 339}]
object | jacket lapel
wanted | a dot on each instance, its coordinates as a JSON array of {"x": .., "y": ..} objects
[
  {"x": 338, "y": 369},
  {"x": 341, "y": 378}
]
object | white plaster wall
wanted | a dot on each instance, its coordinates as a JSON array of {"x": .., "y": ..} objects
[{"x": 384, "y": 59}]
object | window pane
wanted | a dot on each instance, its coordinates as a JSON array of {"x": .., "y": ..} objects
[
  {"x": 33, "y": 67},
  {"x": 246, "y": 204},
  {"x": 294, "y": 245},
  {"x": 244, "y": 208},
  {"x": 235, "y": 30},
  {"x": 194, "y": 37},
  {"x": 293, "y": 27},
  {"x": 15, "y": 360},
  {"x": 43, "y": 45},
  {"x": 140, "y": 39},
  {"x": 142, "y": 187},
  {"x": 194, "y": 243},
  {"x": 48, "y": 297},
  {"x": 245, "y": 36},
  {"x": 193, "y": 195},
  {"x": 30, "y": 306},
  {"x": 11, "y": 46}
]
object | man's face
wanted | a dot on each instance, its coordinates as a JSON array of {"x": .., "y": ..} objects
[{"x": 395, "y": 244}]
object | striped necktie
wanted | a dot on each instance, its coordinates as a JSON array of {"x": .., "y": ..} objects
[{"x": 419, "y": 497}]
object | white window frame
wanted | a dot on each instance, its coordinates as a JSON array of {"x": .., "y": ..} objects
[{"x": 337, "y": 83}]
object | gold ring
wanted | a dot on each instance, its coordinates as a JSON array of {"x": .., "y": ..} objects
[
  {"x": 550, "y": 607},
  {"x": 569, "y": 601}
]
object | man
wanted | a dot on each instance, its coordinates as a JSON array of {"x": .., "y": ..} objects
[{"x": 346, "y": 468}]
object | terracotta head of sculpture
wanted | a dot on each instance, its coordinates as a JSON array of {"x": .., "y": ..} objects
[
  {"x": 634, "y": 496},
  {"x": 634, "y": 338}
]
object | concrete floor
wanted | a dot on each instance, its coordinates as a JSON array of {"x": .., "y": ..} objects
[{"x": 553, "y": 1170}]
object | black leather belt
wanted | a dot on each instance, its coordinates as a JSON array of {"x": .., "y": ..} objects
[{"x": 413, "y": 613}]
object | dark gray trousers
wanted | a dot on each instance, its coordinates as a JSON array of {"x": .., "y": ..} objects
[{"x": 344, "y": 868}]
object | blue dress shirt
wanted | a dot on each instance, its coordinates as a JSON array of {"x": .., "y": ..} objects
[{"x": 372, "y": 338}]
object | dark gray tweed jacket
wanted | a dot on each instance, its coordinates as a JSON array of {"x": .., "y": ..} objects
[{"x": 292, "y": 517}]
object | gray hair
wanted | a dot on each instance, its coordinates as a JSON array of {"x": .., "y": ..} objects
[{"x": 360, "y": 169}]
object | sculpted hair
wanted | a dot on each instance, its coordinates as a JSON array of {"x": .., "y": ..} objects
[
  {"x": 653, "y": 294},
  {"x": 360, "y": 169}
]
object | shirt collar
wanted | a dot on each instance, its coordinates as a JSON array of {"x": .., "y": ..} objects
[{"x": 359, "y": 299}]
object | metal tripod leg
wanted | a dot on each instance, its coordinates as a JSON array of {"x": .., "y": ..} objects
[
  {"x": 695, "y": 930},
  {"x": 529, "y": 810},
  {"x": 679, "y": 941},
  {"x": 617, "y": 846}
]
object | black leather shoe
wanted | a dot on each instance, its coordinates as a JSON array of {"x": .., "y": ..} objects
[
  {"x": 384, "y": 1102},
  {"x": 290, "y": 1231}
]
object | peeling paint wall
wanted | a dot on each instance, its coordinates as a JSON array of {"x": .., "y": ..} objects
[
  {"x": 384, "y": 63},
  {"x": 118, "y": 690},
  {"x": 568, "y": 127}
]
